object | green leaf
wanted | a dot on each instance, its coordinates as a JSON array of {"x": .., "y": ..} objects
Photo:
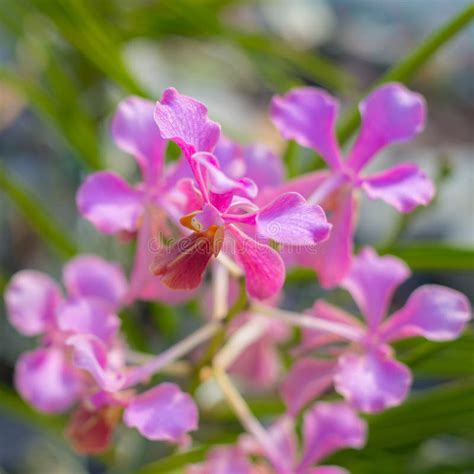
[
  {"x": 433, "y": 255},
  {"x": 39, "y": 219},
  {"x": 175, "y": 462},
  {"x": 406, "y": 69}
]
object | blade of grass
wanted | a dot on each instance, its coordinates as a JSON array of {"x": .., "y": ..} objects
[{"x": 39, "y": 219}]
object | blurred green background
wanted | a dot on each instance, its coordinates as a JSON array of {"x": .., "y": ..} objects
[{"x": 65, "y": 64}]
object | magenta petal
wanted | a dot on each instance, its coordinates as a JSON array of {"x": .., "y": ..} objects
[
  {"x": 31, "y": 299},
  {"x": 404, "y": 187},
  {"x": 88, "y": 316},
  {"x": 164, "y": 413},
  {"x": 372, "y": 281},
  {"x": 45, "y": 380},
  {"x": 392, "y": 113},
  {"x": 93, "y": 277},
  {"x": 184, "y": 120},
  {"x": 90, "y": 354},
  {"x": 306, "y": 380},
  {"x": 432, "y": 311},
  {"x": 329, "y": 427},
  {"x": 135, "y": 132},
  {"x": 332, "y": 259},
  {"x": 264, "y": 268},
  {"x": 308, "y": 115},
  {"x": 328, "y": 470},
  {"x": 110, "y": 203},
  {"x": 290, "y": 220},
  {"x": 373, "y": 381}
]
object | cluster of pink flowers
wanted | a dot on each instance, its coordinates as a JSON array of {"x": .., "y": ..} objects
[{"x": 228, "y": 206}]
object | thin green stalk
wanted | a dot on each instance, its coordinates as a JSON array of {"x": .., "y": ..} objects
[
  {"x": 406, "y": 69},
  {"x": 43, "y": 223}
]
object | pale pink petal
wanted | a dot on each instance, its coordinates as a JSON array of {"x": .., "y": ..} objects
[
  {"x": 91, "y": 276},
  {"x": 290, "y": 220},
  {"x": 219, "y": 182},
  {"x": 134, "y": 131},
  {"x": 392, "y": 113},
  {"x": 264, "y": 268},
  {"x": 259, "y": 365},
  {"x": 308, "y": 116},
  {"x": 432, "y": 311},
  {"x": 164, "y": 413},
  {"x": 306, "y": 380},
  {"x": 312, "y": 339},
  {"x": 44, "y": 379},
  {"x": 404, "y": 187},
  {"x": 88, "y": 316},
  {"x": 330, "y": 427},
  {"x": 31, "y": 299},
  {"x": 110, "y": 203},
  {"x": 231, "y": 158},
  {"x": 90, "y": 354},
  {"x": 332, "y": 259},
  {"x": 372, "y": 281},
  {"x": 263, "y": 166},
  {"x": 223, "y": 460},
  {"x": 184, "y": 120},
  {"x": 373, "y": 381}
]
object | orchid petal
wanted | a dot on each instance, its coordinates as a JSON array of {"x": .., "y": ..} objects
[
  {"x": 373, "y": 381},
  {"x": 44, "y": 379},
  {"x": 264, "y": 268},
  {"x": 329, "y": 470},
  {"x": 89, "y": 276},
  {"x": 332, "y": 258},
  {"x": 290, "y": 220},
  {"x": 263, "y": 166},
  {"x": 372, "y": 281},
  {"x": 90, "y": 354},
  {"x": 164, "y": 413},
  {"x": 184, "y": 120},
  {"x": 88, "y": 316},
  {"x": 329, "y": 427},
  {"x": 182, "y": 265},
  {"x": 223, "y": 460},
  {"x": 134, "y": 131},
  {"x": 110, "y": 203},
  {"x": 404, "y": 187},
  {"x": 308, "y": 116},
  {"x": 306, "y": 380},
  {"x": 390, "y": 114},
  {"x": 432, "y": 311},
  {"x": 31, "y": 299}
]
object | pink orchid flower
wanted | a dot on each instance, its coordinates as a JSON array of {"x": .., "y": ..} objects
[
  {"x": 366, "y": 373},
  {"x": 390, "y": 114},
  {"x": 223, "y": 205},
  {"x": 114, "y": 207},
  {"x": 36, "y": 307},
  {"x": 162, "y": 413},
  {"x": 327, "y": 428}
]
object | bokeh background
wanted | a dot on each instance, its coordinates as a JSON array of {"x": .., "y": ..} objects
[{"x": 65, "y": 64}]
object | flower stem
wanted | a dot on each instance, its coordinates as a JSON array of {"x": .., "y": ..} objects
[
  {"x": 406, "y": 69},
  {"x": 310, "y": 322}
]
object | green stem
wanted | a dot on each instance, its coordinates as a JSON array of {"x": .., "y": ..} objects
[
  {"x": 44, "y": 224},
  {"x": 409, "y": 66},
  {"x": 216, "y": 342}
]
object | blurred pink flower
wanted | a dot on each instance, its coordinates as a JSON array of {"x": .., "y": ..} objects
[
  {"x": 223, "y": 204},
  {"x": 366, "y": 373},
  {"x": 36, "y": 307},
  {"x": 390, "y": 114}
]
